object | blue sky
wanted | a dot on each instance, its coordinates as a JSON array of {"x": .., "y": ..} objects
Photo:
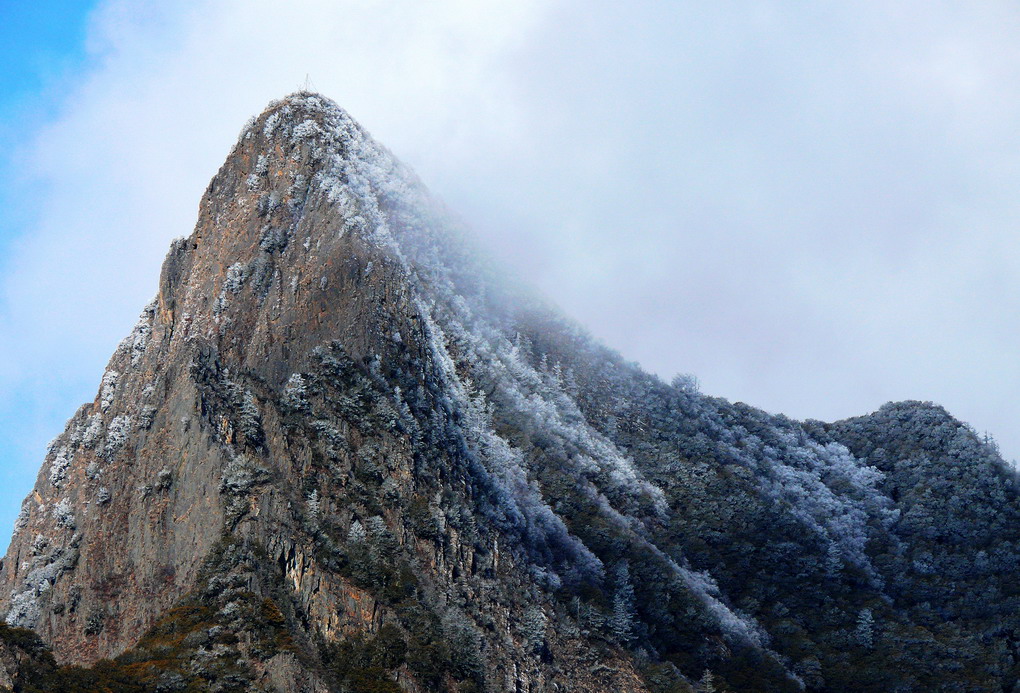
[
  {"x": 42, "y": 41},
  {"x": 810, "y": 207},
  {"x": 42, "y": 48}
]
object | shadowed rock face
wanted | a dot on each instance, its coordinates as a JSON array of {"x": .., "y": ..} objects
[{"x": 339, "y": 454}]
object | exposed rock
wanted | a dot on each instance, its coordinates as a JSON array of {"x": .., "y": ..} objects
[{"x": 337, "y": 454}]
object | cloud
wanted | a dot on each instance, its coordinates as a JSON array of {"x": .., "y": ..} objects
[
  {"x": 811, "y": 208},
  {"x": 119, "y": 171}
]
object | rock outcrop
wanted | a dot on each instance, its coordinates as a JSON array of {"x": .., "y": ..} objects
[{"x": 339, "y": 452}]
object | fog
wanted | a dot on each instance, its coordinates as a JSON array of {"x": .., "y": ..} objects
[{"x": 812, "y": 209}]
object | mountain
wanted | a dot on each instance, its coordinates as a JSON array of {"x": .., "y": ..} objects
[{"x": 340, "y": 451}]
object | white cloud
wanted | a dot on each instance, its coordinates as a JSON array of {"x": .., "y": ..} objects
[
  {"x": 813, "y": 209},
  {"x": 123, "y": 167}
]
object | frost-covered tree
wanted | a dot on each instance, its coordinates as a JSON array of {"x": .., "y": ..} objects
[
  {"x": 865, "y": 631},
  {"x": 622, "y": 621},
  {"x": 357, "y": 533},
  {"x": 295, "y": 393},
  {"x": 250, "y": 419},
  {"x": 685, "y": 382},
  {"x": 707, "y": 683},
  {"x": 313, "y": 504},
  {"x": 533, "y": 628}
]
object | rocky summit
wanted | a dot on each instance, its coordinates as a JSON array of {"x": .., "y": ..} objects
[{"x": 340, "y": 452}]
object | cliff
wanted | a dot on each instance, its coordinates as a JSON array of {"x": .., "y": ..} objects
[{"x": 340, "y": 452}]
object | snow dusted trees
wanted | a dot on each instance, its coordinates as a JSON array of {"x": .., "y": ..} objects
[
  {"x": 621, "y": 623},
  {"x": 865, "y": 631}
]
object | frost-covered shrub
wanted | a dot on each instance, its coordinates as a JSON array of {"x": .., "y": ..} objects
[
  {"x": 237, "y": 273},
  {"x": 621, "y": 622},
  {"x": 376, "y": 527},
  {"x": 297, "y": 190},
  {"x": 295, "y": 393},
  {"x": 231, "y": 611},
  {"x": 313, "y": 504},
  {"x": 59, "y": 466},
  {"x": 305, "y": 130},
  {"x": 335, "y": 441},
  {"x": 92, "y": 431},
  {"x": 267, "y": 203},
  {"x": 108, "y": 389},
  {"x": 261, "y": 275},
  {"x": 63, "y": 514},
  {"x": 465, "y": 643},
  {"x": 146, "y": 417},
  {"x": 687, "y": 383},
  {"x": 533, "y": 627},
  {"x": 273, "y": 239},
  {"x": 103, "y": 496},
  {"x": 233, "y": 282},
  {"x": 241, "y": 475},
  {"x": 24, "y": 610},
  {"x": 864, "y": 633},
  {"x": 94, "y": 623},
  {"x": 117, "y": 434},
  {"x": 272, "y": 122},
  {"x": 21, "y": 521},
  {"x": 138, "y": 340},
  {"x": 93, "y": 471},
  {"x": 164, "y": 480},
  {"x": 39, "y": 544},
  {"x": 390, "y": 490}
]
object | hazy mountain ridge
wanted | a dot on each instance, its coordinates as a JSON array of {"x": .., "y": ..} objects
[{"x": 389, "y": 471}]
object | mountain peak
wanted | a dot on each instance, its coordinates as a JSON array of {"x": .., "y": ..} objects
[
  {"x": 288, "y": 112},
  {"x": 335, "y": 455}
]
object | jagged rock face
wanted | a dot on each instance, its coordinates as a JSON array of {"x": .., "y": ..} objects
[
  {"x": 129, "y": 502},
  {"x": 337, "y": 451},
  {"x": 293, "y": 268}
]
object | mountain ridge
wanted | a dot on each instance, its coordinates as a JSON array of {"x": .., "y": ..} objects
[{"x": 337, "y": 427}]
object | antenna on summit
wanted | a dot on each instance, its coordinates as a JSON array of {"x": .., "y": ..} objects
[{"x": 307, "y": 86}]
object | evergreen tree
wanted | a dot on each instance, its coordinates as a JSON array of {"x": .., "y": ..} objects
[
  {"x": 622, "y": 621},
  {"x": 865, "y": 629}
]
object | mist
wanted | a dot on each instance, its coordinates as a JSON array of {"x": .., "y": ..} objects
[{"x": 812, "y": 210}]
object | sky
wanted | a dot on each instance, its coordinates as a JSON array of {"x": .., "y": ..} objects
[{"x": 809, "y": 206}]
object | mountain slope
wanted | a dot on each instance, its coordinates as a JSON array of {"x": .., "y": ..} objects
[{"x": 339, "y": 452}]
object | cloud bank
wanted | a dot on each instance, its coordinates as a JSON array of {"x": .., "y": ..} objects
[{"x": 812, "y": 209}]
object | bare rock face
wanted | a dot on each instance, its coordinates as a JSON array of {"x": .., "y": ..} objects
[
  {"x": 338, "y": 454},
  {"x": 251, "y": 402}
]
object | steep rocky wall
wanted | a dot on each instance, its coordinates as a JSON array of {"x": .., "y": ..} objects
[
  {"x": 186, "y": 438},
  {"x": 339, "y": 452}
]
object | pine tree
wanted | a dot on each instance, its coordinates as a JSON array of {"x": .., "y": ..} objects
[
  {"x": 622, "y": 620},
  {"x": 865, "y": 629},
  {"x": 707, "y": 683}
]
